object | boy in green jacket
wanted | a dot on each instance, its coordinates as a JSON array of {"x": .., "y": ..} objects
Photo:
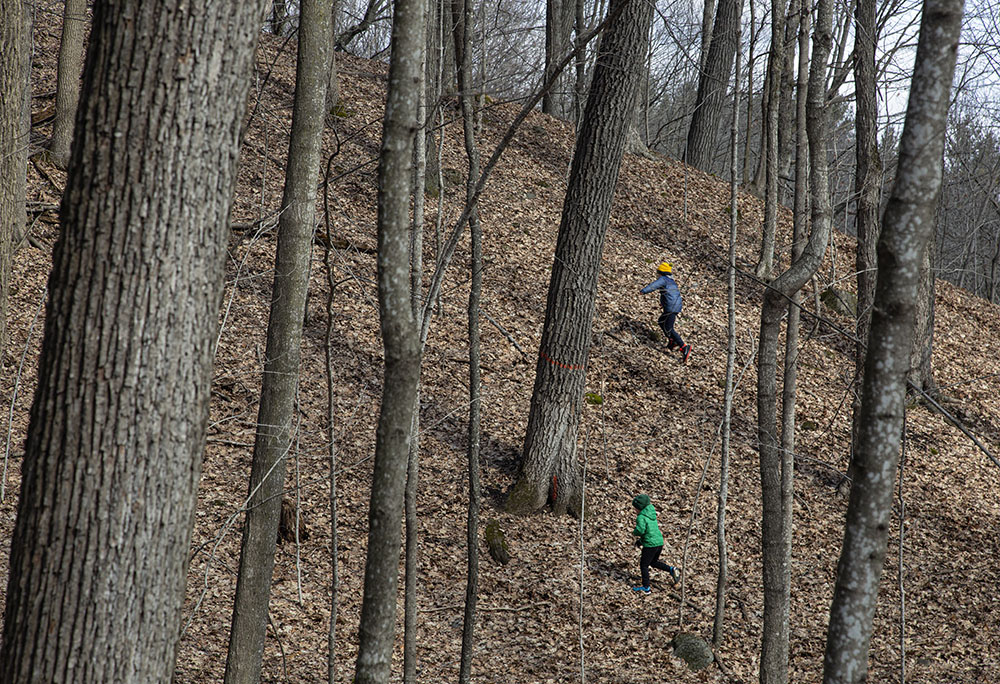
[{"x": 648, "y": 536}]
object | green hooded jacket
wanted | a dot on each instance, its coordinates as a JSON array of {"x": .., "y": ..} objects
[{"x": 645, "y": 523}]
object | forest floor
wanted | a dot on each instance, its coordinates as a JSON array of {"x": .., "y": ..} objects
[{"x": 564, "y": 601}]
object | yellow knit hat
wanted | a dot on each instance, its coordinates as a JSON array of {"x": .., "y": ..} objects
[{"x": 664, "y": 267}]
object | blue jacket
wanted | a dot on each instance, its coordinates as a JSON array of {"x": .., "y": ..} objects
[{"x": 670, "y": 296}]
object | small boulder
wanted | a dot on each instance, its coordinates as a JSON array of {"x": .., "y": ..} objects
[
  {"x": 840, "y": 301},
  {"x": 693, "y": 650}
]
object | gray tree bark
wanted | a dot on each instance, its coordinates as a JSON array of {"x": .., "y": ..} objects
[
  {"x": 776, "y": 465},
  {"x": 558, "y": 27},
  {"x": 921, "y": 374},
  {"x": 707, "y": 23},
  {"x": 703, "y": 135},
  {"x": 13, "y": 142},
  {"x": 282, "y": 355},
  {"x": 117, "y": 427},
  {"x": 463, "y": 52},
  {"x": 768, "y": 169},
  {"x": 907, "y": 230},
  {"x": 401, "y": 341},
  {"x": 800, "y": 224},
  {"x": 68, "y": 79},
  {"x": 548, "y": 467},
  {"x": 723, "y": 494},
  {"x": 867, "y": 185},
  {"x": 416, "y": 249},
  {"x": 787, "y": 111}
]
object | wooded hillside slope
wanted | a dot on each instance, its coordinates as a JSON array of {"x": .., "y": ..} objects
[{"x": 656, "y": 430}]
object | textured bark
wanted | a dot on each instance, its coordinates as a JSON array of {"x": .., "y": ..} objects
[
  {"x": 68, "y": 78},
  {"x": 463, "y": 52},
  {"x": 284, "y": 336},
  {"x": 13, "y": 142},
  {"x": 580, "y": 62},
  {"x": 768, "y": 169},
  {"x": 558, "y": 27},
  {"x": 416, "y": 250},
  {"x": 921, "y": 374},
  {"x": 401, "y": 342},
  {"x": 787, "y": 108},
  {"x": 867, "y": 184},
  {"x": 723, "y": 495},
  {"x": 907, "y": 230},
  {"x": 707, "y": 21},
  {"x": 777, "y": 466},
  {"x": 703, "y": 135},
  {"x": 548, "y": 467},
  {"x": 117, "y": 426}
]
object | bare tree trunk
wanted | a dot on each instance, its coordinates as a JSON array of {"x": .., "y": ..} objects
[
  {"x": 768, "y": 169},
  {"x": 994, "y": 264},
  {"x": 68, "y": 78},
  {"x": 921, "y": 373},
  {"x": 751, "y": 62},
  {"x": 549, "y": 468},
  {"x": 580, "y": 82},
  {"x": 117, "y": 427},
  {"x": 416, "y": 250},
  {"x": 284, "y": 337},
  {"x": 776, "y": 467},
  {"x": 867, "y": 185},
  {"x": 800, "y": 221},
  {"x": 559, "y": 16},
  {"x": 786, "y": 109},
  {"x": 463, "y": 53},
  {"x": 13, "y": 142},
  {"x": 331, "y": 650},
  {"x": 723, "y": 577},
  {"x": 401, "y": 341},
  {"x": 703, "y": 134},
  {"x": 707, "y": 23},
  {"x": 907, "y": 230}
]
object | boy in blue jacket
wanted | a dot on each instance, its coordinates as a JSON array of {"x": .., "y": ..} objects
[
  {"x": 672, "y": 303},
  {"x": 648, "y": 536}
]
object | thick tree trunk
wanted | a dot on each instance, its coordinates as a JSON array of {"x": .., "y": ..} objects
[
  {"x": 703, "y": 135},
  {"x": 284, "y": 336},
  {"x": 907, "y": 230},
  {"x": 117, "y": 427},
  {"x": 776, "y": 467},
  {"x": 68, "y": 78},
  {"x": 401, "y": 341},
  {"x": 549, "y": 468},
  {"x": 13, "y": 142}
]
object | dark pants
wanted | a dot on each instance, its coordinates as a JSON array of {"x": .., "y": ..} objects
[
  {"x": 650, "y": 556},
  {"x": 666, "y": 322}
]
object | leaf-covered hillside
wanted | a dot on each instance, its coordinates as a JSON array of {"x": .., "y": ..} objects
[{"x": 656, "y": 430}]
